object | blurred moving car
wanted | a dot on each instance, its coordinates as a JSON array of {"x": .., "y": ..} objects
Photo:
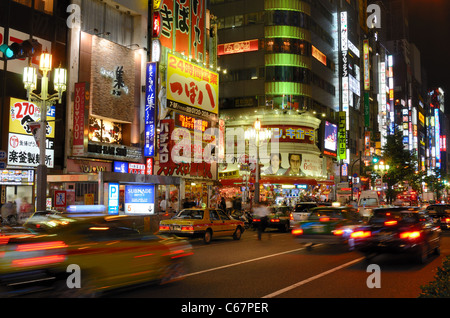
[
  {"x": 398, "y": 230},
  {"x": 205, "y": 223},
  {"x": 279, "y": 218},
  {"x": 301, "y": 212},
  {"x": 328, "y": 225},
  {"x": 107, "y": 250},
  {"x": 440, "y": 213}
]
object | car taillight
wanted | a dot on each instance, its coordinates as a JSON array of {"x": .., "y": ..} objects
[
  {"x": 324, "y": 219},
  {"x": 187, "y": 228},
  {"x": 447, "y": 220},
  {"x": 256, "y": 220},
  {"x": 275, "y": 220},
  {"x": 164, "y": 228},
  {"x": 297, "y": 231},
  {"x": 40, "y": 253},
  {"x": 291, "y": 217},
  {"x": 40, "y": 246},
  {"x": 390, "y": 223},
  {"x": 34, "y": 261},
  {"x": 410, "y": 235},
  {"x": 361, "y": 234},
  {"x": 338, "y": 232}
]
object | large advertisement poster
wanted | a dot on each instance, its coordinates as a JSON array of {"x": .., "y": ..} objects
[
  {"x": 23, "y": 149},
  {"x": 192, "y": 88},
  {"x": 183, "y": 27}
]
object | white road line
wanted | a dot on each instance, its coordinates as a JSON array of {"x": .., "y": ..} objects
[
  {"x": 281, "y": 291},
  {"x": 243, "y": 262}
]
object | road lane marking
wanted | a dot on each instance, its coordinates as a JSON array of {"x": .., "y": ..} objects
[
  {"x": 243, "y": 262},
  {"x": 303, "y": 282}
]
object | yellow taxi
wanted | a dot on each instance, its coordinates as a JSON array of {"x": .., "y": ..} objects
[
  {"x": 204, "y": 223},
  {"x": 80, "y": 257}
]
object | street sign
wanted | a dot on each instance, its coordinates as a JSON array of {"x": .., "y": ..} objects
[{"x": 60, "y": 198}]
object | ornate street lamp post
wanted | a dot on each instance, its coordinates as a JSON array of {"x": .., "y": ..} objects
[{"x": 44, "y": 101}]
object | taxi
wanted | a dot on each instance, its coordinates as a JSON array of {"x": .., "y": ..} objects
[
  {"x": 99, "y": 254},
  {"x": 204, "y": 223}
]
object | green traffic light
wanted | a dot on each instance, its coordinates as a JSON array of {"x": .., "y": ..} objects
[
  {"x": 6, "y": 50},
  {"x": 375, "y": 159}
]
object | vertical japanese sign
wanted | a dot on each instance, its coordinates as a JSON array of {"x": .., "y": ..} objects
[
  {"x": 166, "y": 35},
  {"x": 342, "y": 135},
  {"x": 150, "y": 107},
  {"x": 366, "y": 65},
  {"x": 198, "y": 14},
  {"x": 80, "y": 105},
  {"x": 165, "y": 143},
  {"x": 183, "y": 27}
]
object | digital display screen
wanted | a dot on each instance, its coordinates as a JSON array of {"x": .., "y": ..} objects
[
  {"x": 330, "y": 137},
  {"x": 191, "y": 122}
]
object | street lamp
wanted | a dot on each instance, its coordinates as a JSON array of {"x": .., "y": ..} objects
[
  {"x": 381, "y": 167},
  {"x": 258, "y": 135},
  {"x": 44, "y": 101}
]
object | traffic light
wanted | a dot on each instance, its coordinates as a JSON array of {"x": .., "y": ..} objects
[
  {"x": 27, "y": 48},
  {"x": 375, "y": 159}
]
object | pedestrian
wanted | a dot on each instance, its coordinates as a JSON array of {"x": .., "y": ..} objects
[
  {"x": 262, "y": 212},
  {"x": 9, "y": 212},
  {"x": 163, "y": 205},
  {"x": 228, "y": 205},
  {"x": 222, "y": 204}
]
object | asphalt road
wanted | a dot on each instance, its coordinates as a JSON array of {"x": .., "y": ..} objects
[{"x": 277, "y": 267}]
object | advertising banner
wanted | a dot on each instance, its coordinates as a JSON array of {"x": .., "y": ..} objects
[
  {"x": 342, "y": 136},
  {"x": 150, "y": 109},
  {"x": 191, "y": 87},
  {"x": 140, "y": 199},
  {"x": 80, "y": 120}
]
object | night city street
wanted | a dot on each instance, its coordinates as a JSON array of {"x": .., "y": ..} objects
[{"x": 223, "y": 157}]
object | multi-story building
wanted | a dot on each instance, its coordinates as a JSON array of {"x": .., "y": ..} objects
[{"x": 282, "y": 68}]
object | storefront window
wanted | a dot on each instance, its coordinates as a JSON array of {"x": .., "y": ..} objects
[{"x": 101, "y": 130}]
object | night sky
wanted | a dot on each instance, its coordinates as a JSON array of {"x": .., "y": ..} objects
[{"x": 430, "y": 32}]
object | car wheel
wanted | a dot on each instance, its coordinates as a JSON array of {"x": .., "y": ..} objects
[
  {"x": 437, "y": 250},
  {"x": 422, "y": 255},
  {"x": 207, "y": 237},
  {"x": 237, "y": 234},
  {"x": 173, "y": 272}
]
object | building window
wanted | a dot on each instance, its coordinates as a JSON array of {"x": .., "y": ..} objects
[
  {"x": 288, "y": 74},
  {"x": 288, "y": 45}
]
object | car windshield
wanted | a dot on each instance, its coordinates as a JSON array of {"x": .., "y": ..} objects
[
  {"x": 368, "y": 201},
  {"x": 190, "y": 214},
  {"x": 401, "y": 216},
  {"x": 303, "y": 207},
  {"x": 279, "y": 210}
]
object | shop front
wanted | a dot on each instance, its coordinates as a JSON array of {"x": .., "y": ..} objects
[{"x": 292, "y": 167}]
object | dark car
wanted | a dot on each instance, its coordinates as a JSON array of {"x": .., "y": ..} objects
[
  {"x": 398, "y": 230},
  {"x": 279, "y": 218},
  {"x": 328, "y": 225},
  {"x": 301, "y": 212},
  {"x": 440, "y": 213}
]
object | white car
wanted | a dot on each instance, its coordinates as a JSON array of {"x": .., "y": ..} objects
[{"x": 301, "y": 212}]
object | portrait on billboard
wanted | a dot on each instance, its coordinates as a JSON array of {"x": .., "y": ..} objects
[
  {"x": 295, "y": 161},
  {"x": 275, "y": 167}
]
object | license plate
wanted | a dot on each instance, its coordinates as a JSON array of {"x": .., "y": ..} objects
[
  {"x": 175, "y": 227},
  {"x": 318, "y": 228}
]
